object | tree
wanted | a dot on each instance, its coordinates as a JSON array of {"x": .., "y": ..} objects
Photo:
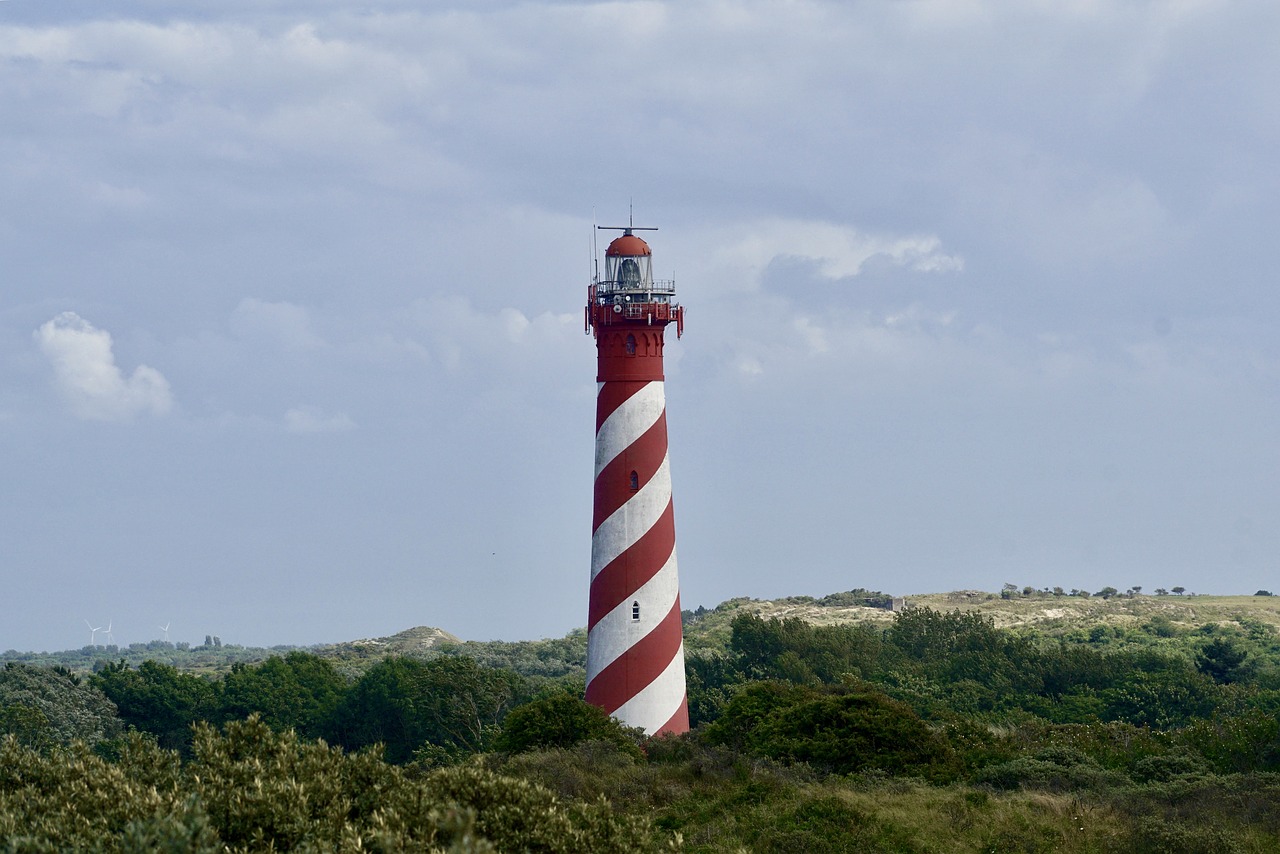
[
  {"x": 1264, "y": 593},
  {"x": 406, "y": 704},
  {"x": 300, "y": 691},
  {"x": 562, "y": 720},
  {"x": 1221, "y": 660},
  {"x": 1178, "y": 591},
  {"x": 1107, "y": 592},
  {"x": 796, "y": 651},
  {"x": 156, "y": 698},
  {"x": 48, "y": 707},
  {"x": 1160, "y": 591}
]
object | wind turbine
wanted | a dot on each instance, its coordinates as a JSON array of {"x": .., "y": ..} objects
[
  {"x": 93, "y": 633},
  {"x": 165, "y": 629},
  {"x": 110, "y": 637}
]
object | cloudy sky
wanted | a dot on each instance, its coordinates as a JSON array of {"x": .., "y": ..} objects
[{"x": 291, "y": 293}]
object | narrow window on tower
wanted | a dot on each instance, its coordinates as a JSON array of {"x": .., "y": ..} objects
[
  {"x": 635, "y": 482},
  {"x": 635, "y": 612},
  {"x": 631, "y": 345}
]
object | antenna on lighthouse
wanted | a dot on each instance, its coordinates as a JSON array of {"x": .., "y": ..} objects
[
  {"x": 595, "y": 249},
  {"x": 629, "y": 227},
  {"x": 626, "y": 228}
]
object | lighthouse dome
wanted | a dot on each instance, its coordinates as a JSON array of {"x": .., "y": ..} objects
[{"x": 627, "y": 244}]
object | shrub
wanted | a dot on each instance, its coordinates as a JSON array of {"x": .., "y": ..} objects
[
  {"x": 563, "y": 720},
  {"x": 836, "y": 732},
  {"x": 253, "y": 789},
  {"x": 1053, "y": 769}
]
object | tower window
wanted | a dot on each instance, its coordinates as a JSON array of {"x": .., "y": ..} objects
[
  {"x": 631, "y": 345},
  {"x": 635, "y": 612},
  {"x": 635, "y": 482}
]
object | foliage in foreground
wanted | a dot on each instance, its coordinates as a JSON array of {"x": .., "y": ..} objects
[
  {"x": 719, "y": 799},
  {"x": 936, "y": 732},
  {"x": 252, "y": 789}
]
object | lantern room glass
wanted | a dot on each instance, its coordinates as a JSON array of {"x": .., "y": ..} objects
[{"x": 629, "y": 272}]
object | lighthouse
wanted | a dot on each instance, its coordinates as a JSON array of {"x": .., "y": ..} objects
[{"x": 635, "y": 645}]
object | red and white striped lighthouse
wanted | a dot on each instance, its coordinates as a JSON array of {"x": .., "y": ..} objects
[{"x": 635, "y": 646}]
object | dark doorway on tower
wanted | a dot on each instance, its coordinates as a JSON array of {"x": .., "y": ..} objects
[
  {"x": 635, "y": 481},
  {"x": 635, "y": 612}
]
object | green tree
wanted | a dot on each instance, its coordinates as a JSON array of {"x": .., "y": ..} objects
[
  {"x": 300, "y": 691},
  {"x": 1221, "y": 660},
  {"x": 406, "y": 704},
  {"x": 157, "y": 699},
  {"x": 45, "y": 707},
  {"x": 562, "y": 720},
  {"x": 796, "y": 651}
]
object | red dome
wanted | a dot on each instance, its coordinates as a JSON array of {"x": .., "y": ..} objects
[{"x": 627, "y": 244}]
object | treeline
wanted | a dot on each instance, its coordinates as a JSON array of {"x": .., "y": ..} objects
[
  {"x": 940, "y": 684},
  {"x": 958, "y": 663},
  {"x": 935, "y": 732},
  {"x": 447, "y": 706}
]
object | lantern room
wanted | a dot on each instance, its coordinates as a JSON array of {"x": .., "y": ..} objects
[
  {"x": 627, "y": 293},
  {"x": 628, "y": 263},
  {"x": 628, "y": 272}
]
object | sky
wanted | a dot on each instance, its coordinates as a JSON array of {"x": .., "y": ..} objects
[{"x": 291, "y": 344}]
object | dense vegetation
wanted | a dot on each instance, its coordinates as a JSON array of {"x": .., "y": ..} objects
[{"x": 925, "y": 730}]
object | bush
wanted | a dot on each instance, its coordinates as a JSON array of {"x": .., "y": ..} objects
[
  {"x": 563, "y": 720},
  {"x": 1052, "y": 769},
  {"x": 253, "y": 789},
  {"x": 837, "y": 732},
  {"x": 1155, "y": 835}
]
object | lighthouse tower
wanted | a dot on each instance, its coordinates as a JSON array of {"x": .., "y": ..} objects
[{"x": 635, "y": 646}]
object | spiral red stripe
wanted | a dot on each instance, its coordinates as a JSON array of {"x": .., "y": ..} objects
[
  {"x": 611, "y": 395},
  {"x": 639, "y": 666},
  {"x": 614, "y": 486},
  {"x": 677, "y": 723},
  {"x": 627, "y": 573}
]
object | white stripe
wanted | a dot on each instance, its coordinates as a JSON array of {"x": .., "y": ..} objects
[
  {"x": 617, "y": 631},
  {"x": 659, "y": 700},
  {"x": 632, "y": 520},
  {"x": 629, "y": 422}
]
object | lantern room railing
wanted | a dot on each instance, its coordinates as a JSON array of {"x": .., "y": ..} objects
[
  {"x": 617, "y": 309},
  {"x": 664, "y": 287}
]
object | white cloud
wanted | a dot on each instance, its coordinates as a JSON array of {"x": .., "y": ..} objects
[
  {"x": 838, "y": 251},
  {"x": 86, "y": 373},
  {"x": 309, "y": 419}
]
